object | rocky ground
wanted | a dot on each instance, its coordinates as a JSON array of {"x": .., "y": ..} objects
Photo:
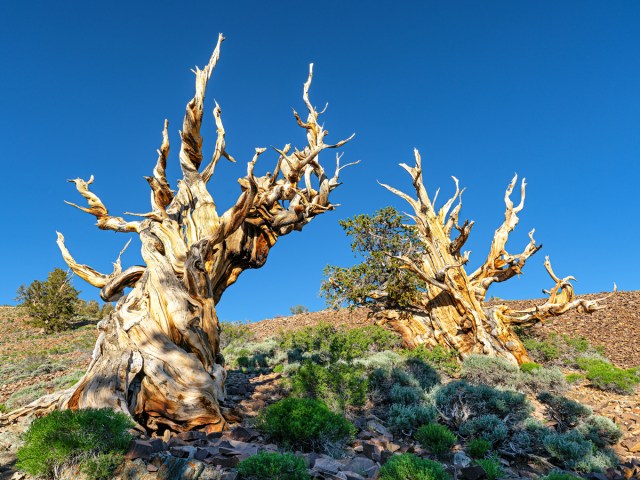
[{"x": 195, "y": 455}]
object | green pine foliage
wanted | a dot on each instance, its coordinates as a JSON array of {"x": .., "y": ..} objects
[
  {"x": 51, "y": 304},
  {"x": 376, "y": 239},
  {"x": 492, "y": 467},
  {"x": 478, "y": 447}
]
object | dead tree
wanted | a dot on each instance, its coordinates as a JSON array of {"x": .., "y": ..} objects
[
  {"x": 157, "y": 355},
  {"x": 452, "y": 311}
]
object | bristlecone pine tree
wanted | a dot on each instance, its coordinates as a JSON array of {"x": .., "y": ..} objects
[
  {"x": 435, "y": 301},
  {"x": 157, "y": 355}
]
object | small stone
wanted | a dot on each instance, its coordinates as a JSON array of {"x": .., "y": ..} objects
[
  {"x": 359, "y": 464},
  {"x": 139, "y": 449},
  {"x": 460, "y": 459},
  {"x": 327, "y": 465},
  {"x": 191, "y": 435},
  {"x": 151, "y": 468}
]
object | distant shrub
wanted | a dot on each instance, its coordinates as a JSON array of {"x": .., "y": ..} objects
[
  {"x": 600, "y": 430},
  {"x": 66, "y": 436},
  {"x": 251, "y": 356},
  {"x": 492, "y": 467},
  {"x": 563, "y": 410},
  {"x": 478, "y": 447},
  {"x": 500, "y": 373},
  {"x": 339, "y": 385},
  {"x": 383, "y": 380},
  {"x": 560, "y": 349},
  {"x": 3, "y": 408},
  {"x": 437, "y": 438},
  {"x": 528, "y": 367},
  {"x": 441, "y": 358},
  {"x": 384, "y": 359},
  {"x": 298, "y": 309},
  {"x": 407, "y": 418},
  {"x": 273, "y": 466},
  {"x": 422, "y": 371},
  {"x": 459, "y": 401},
  {"x": 570, "y": 448},
  {"x": 575, "y": 377},
  {"x": 408, "y": 466},
  {"x": 234, "y": 332},
  {"x": 492, "y": 371},
  {"x": 560, "y": 476},
  {"x": 606, "y": 376},
  {"x": 541, "y": 351},
  {"x": 522, "y": 441},
  {"x": 332, "y": 344},
  {"x": 488, "y": 427},
  {"x": 305, "y": 424},
  {"x": 51, "y": 304}
]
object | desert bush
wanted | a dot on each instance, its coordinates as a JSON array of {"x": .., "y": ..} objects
[
  {"x": 442, "y": 359},
  {"x": 492, "y": 467},
  {"x": 64, "y": 437},
  {"x": 382, "y": 381},
  {"x": 528, "y": 367},
  {"x": 406, "y": 418},
  {"x": 339, "y": 385},
  {"x": 235, "y": 332},
  {"x": 437, "y": 438},
  {"x": 51, "y": 304},
  {"x": 26, "y": 395},
  {"x": 459, "y": 401},
  {"x": 570, "y": 448},
  {"x": 298, "y": 309},
  {"x": 606, "y": 376},
  {"x": 544, "y": 380},
  {"x": 600, "y": 430},
  {"x": 575, "y": 377},
  {"x": 329, "y": 344},
  {"x": 384, "y": 359},
  {"x": 521, "y": 441},
  {"x": 422, "y": 371},
  {"x": 492, "y": 371},
  {"x": 273, "y": 466},
  {"x": 405, "y": 395},
  {"x": 500, "y": 373},
  {"x": 101, "y": 466},
  {"x": 478, "y": 447},
  {"x": 563, "y": 410},
  {"x": 560, "y": 476},
  {"x": 408, "y": 466},
  {"x": 305, "y": 424},
  {"x": 560, "y": 349},
  {"x": 251, "y": 356},
  {"x": 488, "y": 427}
]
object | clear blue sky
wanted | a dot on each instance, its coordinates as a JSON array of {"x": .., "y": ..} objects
[{"x": 550, "y": 90}]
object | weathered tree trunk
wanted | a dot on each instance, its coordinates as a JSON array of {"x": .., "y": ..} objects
[
  {"x": 452, "y": 312},
  {"x": 157, "y": 356}
]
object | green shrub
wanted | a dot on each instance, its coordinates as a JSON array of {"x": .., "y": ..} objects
[
  {"x": 491, "y": 467},
  {"x": 298, "y": 309},
  {"x": 542, "y": 351},
  {"x": 406, "y": 418},
  {"x": 544, "y": 380},
  {"x": 305, "y": 424},
  {"x": 408, "y": 466},
  {"x": 339, "y": 385},
  {"x": 383, "y": 380},
  {"x": 600, "y": 430},
  {"x": 51, "y": 304},
  {"x": 570, "y": 448},
  {"x": 460, "y": 401},
  {"x": 560, "y": 349},
  {"x": 442, "y": 359},
  {"x": 437, "y": 438},
  {"x": 528, "y": 367},
  {"x": 251, "y": 356},
  {"x": 273, "y": 466},
  {"x": 575, "y": 377},
  {"x": 66, "y": 436},
  {"x": 606, "y": 376},
  {"x": 563, "y": 410},
  {"x": 478, "y": 447},
  {"x": 560, "y": 476},
  {"x": 488, "y": 427},
  {"x": 422, "y": 371},
  {"x": 3, "y": 408}
]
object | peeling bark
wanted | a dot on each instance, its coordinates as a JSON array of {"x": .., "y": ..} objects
[
  {"x": 157, "y": 355},
  {"x": 452, "y": 311}
]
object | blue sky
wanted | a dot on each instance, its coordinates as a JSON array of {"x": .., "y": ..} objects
[{"x": 482, "y": 89}]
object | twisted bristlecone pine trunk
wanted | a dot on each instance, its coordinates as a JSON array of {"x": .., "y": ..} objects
[
  {"x": 157, "y": 355},
  {"x": 452, "y": 311}
]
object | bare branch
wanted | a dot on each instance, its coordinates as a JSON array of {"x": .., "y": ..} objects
[{"x": 98, "y": 210}]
